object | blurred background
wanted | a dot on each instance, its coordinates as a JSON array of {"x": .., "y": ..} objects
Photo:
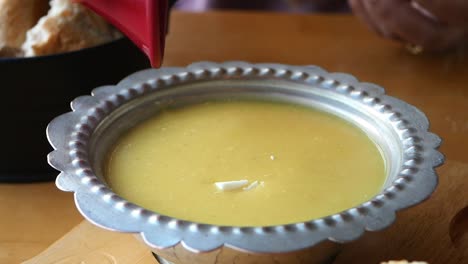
[{"x": 270, "y": 5}]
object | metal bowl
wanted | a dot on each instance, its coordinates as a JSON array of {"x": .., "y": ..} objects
[{"x": 82, "y": 138}]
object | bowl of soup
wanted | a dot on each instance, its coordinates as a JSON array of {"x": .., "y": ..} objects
[{"x": 243, "y": 163}]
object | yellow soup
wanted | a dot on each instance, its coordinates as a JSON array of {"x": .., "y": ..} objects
[{"x": 293, "y": 164}]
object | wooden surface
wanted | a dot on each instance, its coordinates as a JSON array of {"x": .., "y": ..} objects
[
  {"x": 104, "y": 247},
  {"x": 34, "y": 216}
]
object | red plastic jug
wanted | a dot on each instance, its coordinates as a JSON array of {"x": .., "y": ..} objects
[{"x": 143, "y": 21}]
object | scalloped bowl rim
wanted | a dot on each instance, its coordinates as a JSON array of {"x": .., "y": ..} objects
[{"x": 69, "y": 134}]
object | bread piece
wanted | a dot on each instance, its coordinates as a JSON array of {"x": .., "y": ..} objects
[
  {"x": 67, "y": 27},
  {"x": 17, "y": 17},
  {"x": 8, "y": 52}
]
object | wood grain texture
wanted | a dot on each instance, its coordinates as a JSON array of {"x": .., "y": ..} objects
[
  {"x": 34, "y": 216},
  {"x": 104, "y": 247}
]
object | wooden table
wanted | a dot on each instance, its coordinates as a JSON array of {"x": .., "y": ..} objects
[{"x": 34, "y": 216}]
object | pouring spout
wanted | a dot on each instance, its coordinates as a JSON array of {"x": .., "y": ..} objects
[{"x": 143, "y": 21}]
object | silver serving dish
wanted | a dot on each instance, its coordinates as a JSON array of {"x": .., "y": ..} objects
[{"x": 82, "y": 138}]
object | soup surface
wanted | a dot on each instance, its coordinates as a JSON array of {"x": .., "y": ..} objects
[{"x": 297, "y": 164}]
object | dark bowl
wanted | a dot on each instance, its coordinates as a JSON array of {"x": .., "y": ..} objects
[{"x": 35, "y": 90}]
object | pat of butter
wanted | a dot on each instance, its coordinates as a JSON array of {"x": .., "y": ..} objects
[{"x": 231, "y": 185}]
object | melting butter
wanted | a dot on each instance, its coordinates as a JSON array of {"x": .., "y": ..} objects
[{"x": 231, "y": 185}]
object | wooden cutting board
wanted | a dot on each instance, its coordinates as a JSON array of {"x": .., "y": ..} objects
[
  {"x": 435, "y": 231},
  {"x": 88, "y": 244}
]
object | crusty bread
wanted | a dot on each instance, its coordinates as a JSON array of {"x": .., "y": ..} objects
[
  {"x": 10, "y": 52},
  {"x": 17, "y": 17},
  {"x": 68, "y": 26}
]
